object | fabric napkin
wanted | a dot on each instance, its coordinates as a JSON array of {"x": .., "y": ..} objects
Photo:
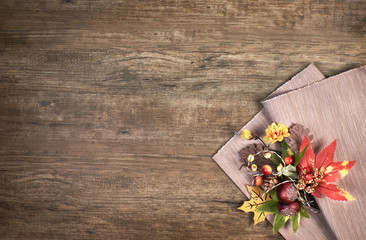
[
  {"x": 334, "y": 108},
  {"x": 316, "y": 104}
]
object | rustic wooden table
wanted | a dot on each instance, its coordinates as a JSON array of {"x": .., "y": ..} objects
[{"x": 110, "y": 111}]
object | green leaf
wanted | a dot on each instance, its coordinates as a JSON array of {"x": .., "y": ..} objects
[
  {"x": 299, "y": 156},
  {"x": 279, "y": 221},
  {"x": 303, "y": 212},
  {"x": 270, "y": 207},
  {"x": 286, "y": 150},
  {"x": 275, "y": 159},
  {"x": 273, "y": 194},
  {"x": 290, "y": 171},
  {"x": 295, "y": 220}
]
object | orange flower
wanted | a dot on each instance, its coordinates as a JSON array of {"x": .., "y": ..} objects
[
  {"x": 315, "y": 175},
  {"x": 276, "y": 133}
]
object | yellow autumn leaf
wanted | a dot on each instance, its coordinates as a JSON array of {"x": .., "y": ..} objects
[{"x": 255, "y": 202}]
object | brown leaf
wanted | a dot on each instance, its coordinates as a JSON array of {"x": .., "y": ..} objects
[
  {"x": 260, "y": 160},
  {"x": 297, "y": 134}
]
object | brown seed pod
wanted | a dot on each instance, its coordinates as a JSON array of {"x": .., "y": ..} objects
[{"x": 270, "y": 182}]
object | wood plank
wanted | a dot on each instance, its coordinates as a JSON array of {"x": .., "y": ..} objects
[{"x": 111, "y": 111}]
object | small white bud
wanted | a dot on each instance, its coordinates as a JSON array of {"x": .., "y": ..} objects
[{"x": 250, "y": 158}]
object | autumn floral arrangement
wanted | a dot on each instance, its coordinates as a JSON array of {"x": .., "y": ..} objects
[{"x": 287, "y": 176}]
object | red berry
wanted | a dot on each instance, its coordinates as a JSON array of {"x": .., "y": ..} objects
[
  {"x": 307, "y": 169},
  {"x": 290, "y": 209},
  {"x": 308, "y": 177},
  {"x": 258, "y": 181},
  {"x": 286, "y": 192},
  {"x": 289, "y": 160},
  {"x": 266, "y": 169}
]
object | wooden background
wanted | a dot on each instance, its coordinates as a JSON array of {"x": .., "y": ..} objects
[{"x": 110, "y": 111}]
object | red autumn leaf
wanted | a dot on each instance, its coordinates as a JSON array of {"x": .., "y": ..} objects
[
  {"x": 334, "y": 192},
  {"x": 323, "y": 170},
  {"x": 316, "y": 193},
  {"x": 309, "y": 156},
  {"x": 326, "y": 156},
  {"x": 337, "y": 170}
]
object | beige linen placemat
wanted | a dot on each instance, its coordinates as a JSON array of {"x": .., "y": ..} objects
[
  {"x": 228, "y": 159},
  {"x": 334, "y": 108}
]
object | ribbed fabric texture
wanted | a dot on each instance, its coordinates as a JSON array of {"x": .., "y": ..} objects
[{"x": 332, "y": 108}]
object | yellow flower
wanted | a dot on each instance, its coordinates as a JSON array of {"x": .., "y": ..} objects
[
  {"x": 276, "y": 133},
  {"x": 247, "y": 134}
]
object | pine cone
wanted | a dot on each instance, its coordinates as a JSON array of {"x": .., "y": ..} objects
[{"x": 269, "y": 182}]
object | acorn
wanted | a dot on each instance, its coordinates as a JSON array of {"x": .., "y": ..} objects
[
  {"x": 290, "y": 209},
  {"x": 266, "y": 169},
  {"x": 286, "y": 192},
  {"x": 289, "y": 160}
]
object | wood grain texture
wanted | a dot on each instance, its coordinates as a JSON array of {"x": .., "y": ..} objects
[{"x": 111, "y": 110}]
